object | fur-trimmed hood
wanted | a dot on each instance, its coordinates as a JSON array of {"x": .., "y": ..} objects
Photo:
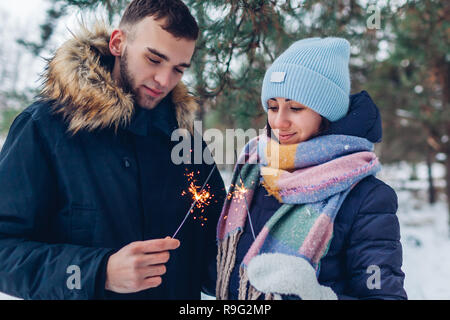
[{"x": 79, "y": 79}]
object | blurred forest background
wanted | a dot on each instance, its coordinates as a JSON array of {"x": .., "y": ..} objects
[{"x": 400, "y": 54}]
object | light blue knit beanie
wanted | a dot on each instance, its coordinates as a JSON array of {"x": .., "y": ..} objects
[{"x": 313, "y": 72}]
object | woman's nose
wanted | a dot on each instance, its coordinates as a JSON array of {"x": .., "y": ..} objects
[{"x": 282, "y": 121}]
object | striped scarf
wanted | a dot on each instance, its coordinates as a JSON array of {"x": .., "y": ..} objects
[{"x": 311, "y": 179}]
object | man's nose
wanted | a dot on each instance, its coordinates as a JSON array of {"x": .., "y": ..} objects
[{"x": 162, "y": 77}]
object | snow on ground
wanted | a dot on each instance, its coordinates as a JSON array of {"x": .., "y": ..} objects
[
  {"x": 426, "y": 248},
  {"x": 7, "y": 297},
  {"x": 424, "y": 233}
]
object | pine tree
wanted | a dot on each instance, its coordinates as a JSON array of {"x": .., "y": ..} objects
[{"x": 413, "y": 83}]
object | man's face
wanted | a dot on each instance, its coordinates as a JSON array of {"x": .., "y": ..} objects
[{"x": 152, "y": 62}]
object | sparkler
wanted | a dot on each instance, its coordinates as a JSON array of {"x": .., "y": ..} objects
[
  {"x": 240, "y": 192},
  {"x": 201, "y": 198},
  {"x": 243, "y": 191}
]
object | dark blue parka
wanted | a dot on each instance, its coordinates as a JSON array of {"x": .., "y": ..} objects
[
  {"x": 85, "y": 172},
  {"x": 366, "y": 229}
]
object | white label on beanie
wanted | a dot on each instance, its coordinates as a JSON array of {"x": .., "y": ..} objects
[{"x": 277, "y": 76}]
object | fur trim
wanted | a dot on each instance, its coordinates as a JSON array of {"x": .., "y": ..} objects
[{"x": 78, "y": 78}]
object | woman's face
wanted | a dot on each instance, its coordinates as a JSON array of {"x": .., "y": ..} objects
[{"x": 292, "y": 122}]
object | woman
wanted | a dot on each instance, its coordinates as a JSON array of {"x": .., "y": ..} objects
[{"x": 305, "y": 217}]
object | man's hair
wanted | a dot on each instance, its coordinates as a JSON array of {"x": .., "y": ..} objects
[{"x": 179, "y": 21}]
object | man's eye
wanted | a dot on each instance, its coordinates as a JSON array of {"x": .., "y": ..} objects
[
  {"x": 179, "y": 71},
  {"x": 153, "y": 61}
]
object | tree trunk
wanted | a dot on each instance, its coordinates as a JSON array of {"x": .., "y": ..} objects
[
  {"x": 413, "y": 176},
  {"x": 447, "y": 186},
  {"x": 431, "y": 188},
  {"x": 446, "y": 105}
]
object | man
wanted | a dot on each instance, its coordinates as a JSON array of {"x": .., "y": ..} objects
[{"x": 89, "y": 194}]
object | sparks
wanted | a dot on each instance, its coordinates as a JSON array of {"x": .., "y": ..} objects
[
  {"x": 239, "y": 191},
  {"x": 201, "y": 198},
  {"x": 239, "y": 194}
]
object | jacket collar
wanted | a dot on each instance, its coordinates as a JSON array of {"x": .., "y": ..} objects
[
  {"x": 362, "y": 120},
  {"x": 78, "y": 78},
  {"x": 162, "y": 117}
]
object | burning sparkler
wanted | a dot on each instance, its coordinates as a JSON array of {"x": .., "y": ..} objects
[
  {"x": 242, "y": 190},
  {"x": 239, "y": 193},
  {"x": 201, "y": 198}
]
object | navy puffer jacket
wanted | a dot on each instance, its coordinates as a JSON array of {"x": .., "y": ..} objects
[{"x": 365, "y": 255}]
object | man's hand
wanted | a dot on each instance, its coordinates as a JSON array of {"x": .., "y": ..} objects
[{"x": 139, "y": 265}]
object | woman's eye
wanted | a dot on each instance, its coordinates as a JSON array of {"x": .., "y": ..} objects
[
  {"x": 179, "y": 71},
  {"x": 296, "y": 109},
  {"x": 273, "y": 108}
]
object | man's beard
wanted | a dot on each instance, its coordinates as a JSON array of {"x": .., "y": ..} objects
[{"x": 127, "y": 83}]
